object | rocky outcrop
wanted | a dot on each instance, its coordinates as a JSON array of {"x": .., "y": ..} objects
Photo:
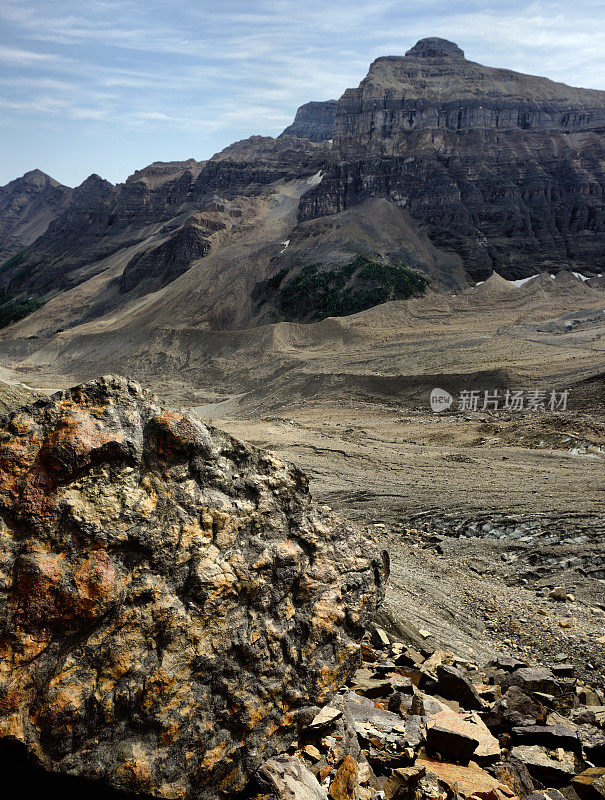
[
  {"x": 163, "y": 171},
  {"x": 97, "y": 225},
  {"x": 162, "y": 264},
  {"x": 247, "y": 166},
  {"x": 27, "y": 206},
  {"x": 501, "y": 167},
  {"x": 173, "y": 606},
  {"x": 313, "y": 121}
]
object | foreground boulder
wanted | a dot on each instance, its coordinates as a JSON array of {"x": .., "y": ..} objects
[{"x": 173, "y": 607}]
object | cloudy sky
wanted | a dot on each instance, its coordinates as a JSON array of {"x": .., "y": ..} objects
[{"x": 108, "y": 86}]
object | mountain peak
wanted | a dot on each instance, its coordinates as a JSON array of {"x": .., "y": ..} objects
[
  {"x": 38, "y": 178},
  {"x": 434, "y": 47}
]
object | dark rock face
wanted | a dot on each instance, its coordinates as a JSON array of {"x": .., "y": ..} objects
[
  {"x": 454, "y": 684},
  {"x": 161, "y": 265},
  {"x": 172, "y": 604},
  {"x": 246, "y": 167},
  {"x": 501, "y": 167},
  {"x": 99, "y": 224},
  {"x": 313, "y": 121},
  {"x": 27, "y": 206},
  {"x": 533, "y": 679},
  {"x": 457, "y": 747},
  {"x": 434, "y": 47}
]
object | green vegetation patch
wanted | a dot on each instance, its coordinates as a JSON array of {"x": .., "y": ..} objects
[
  {"x": 17, "y": 309},
  {"x": 14, "y": 261},
  {"x": 315, "y": 293},
  {"x": 14, "y": 307}
]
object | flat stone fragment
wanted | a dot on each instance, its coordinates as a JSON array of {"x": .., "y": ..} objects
[
  {"x": 326, "y": 716},
  {"x": 552, "y": 736},
  {"x": 546, "y": 766},
  {"x": 532, "y": 680},
  {"x": 289, "y": 779},
  {"x": 590, "y": 784},
  {"x": 344, "y": 785},
  {"x": 471, "y": 725},
  {"x": 450, "y": 745},
  {"x": 466, "y": 780}
]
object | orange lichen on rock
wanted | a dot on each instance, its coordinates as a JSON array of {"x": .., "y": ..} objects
[{"x": 174, "y": 603}]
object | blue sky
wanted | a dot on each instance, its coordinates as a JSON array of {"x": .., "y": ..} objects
[{"x": 108, "y": 87}]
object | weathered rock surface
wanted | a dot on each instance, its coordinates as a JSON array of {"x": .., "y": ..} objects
[
  {"x": 162, "y": 264},
  {"x": 500, "y": 167},
  {"x": 27, "y": 206},
  {"x": 289, "y": 779},
  {"x": 172, "y": 605},
  {"x": 313, "y": 121}
]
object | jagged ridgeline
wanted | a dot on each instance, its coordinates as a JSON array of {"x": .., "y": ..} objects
[{"x": 434, "y": 164}]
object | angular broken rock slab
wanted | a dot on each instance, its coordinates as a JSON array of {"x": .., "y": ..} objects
[
  {"x": 467, "y": 779},
  {"x": 551, "y": 768},
  {"x": 590, "y": 784},
  {"x": 172, "y": 603},
  {"x": 449, "y": 744},
  {"x": 533, "y": 679},
  {"x": 455, "y": 685},
  {"x": 288, "y": 779},
  {"x": 471, "y": 725}
]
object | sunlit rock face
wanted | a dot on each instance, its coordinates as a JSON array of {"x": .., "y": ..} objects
[
  {"x": 500, "y": 167},
  {"x": 172, "y": 605}
]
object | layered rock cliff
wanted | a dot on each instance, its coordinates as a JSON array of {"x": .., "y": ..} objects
[
  {"x": 173, "y": 606},
  {"x": 313, "y": 121},
  {"x": 506, "y": 169},
  {"x": 500, "y": 170}
]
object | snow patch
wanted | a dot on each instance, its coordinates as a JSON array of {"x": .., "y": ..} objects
[
  {"x": 316, "y": 179},
  {"x": 522, "y": 281},
  {"x": 286, "y": 243},
  {"x": 580, "y": 276}
]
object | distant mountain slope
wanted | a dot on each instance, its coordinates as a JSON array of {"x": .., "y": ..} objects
[
  {"x": 506, "y": 169},
  {"x": 434, "y": 164},
  {"x": 151, "y": 203},
  {"x": 27, "y": 206}
]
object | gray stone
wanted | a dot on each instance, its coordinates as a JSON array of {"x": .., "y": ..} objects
[
  {"x": 454, "y": 685},
  {"x": 288, "y": 779},
  {"x": 450, "y": 745}
]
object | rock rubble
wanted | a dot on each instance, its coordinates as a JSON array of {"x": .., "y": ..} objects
[{"x": 405, "y": 733}]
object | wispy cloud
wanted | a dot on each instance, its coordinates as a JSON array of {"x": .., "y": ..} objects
[{"x": 204, "y": 74}]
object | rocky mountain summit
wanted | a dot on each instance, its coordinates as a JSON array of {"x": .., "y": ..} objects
[
  {"x": 27, "y": 205},
  {"x": 173, "y": 606},
  {"x": 503, "y": 168},
  {"x": 501, "y": 171}
]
